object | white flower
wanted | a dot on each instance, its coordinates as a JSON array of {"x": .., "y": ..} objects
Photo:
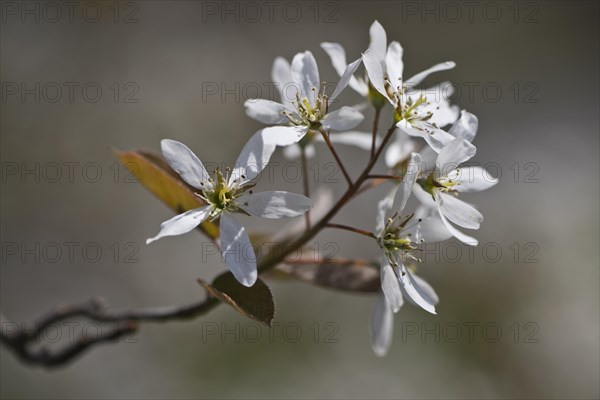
[
  {"x": 228, "y": 195},
  {"x": 337, "y": 54},
  {"x": 304, "y": 105},
  {"x": 419, "y": 113},
  {"x": 381, "y": 324},
  {"x": 440, "y": 187},
  {"x": 399, "y": 237},
  {"x": 399, "y": 150}
]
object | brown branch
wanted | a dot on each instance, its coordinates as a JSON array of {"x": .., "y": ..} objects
[
  {"x": 124, "y": 323},
  {"x": 336, "y": 156},
  {"x": 127, "y": 322}
]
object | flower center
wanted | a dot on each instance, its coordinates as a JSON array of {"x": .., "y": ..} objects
[
  {"x": 307, "y": 114},
  {"x": 443, "y": 184},
  {"x": 394, "y": 242},
  {"x": 222, "y": 196}
]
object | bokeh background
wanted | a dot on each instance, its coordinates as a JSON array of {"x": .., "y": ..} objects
[{"x": 539, "y": 132}]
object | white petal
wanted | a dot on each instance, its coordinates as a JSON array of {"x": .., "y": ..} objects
[
  {"x": 274, "y": 205},
  {"x": 362, "y": 140},
  {"x": 394, "y": 64},
  {"x": 431, "y": 229},
  {"x": 283, "y": 135},
  {"x": 424, "y": 197},
  {"x": 384, "y": 206},
  {"x": 465, "y": 127},
  {"x": 414, "y": 292},
  {"x": 436, "y": 138},
  {"x": 459, "y": 212},
  {"x": 408, "y": 182},
  {"x": 237, "y": 251},
  {"x": 282, "y": 76},
  {"x": 306, "y": 74},
  {"x": 418, "y": 78},
  {"x": 391, "y": 287},
  {"x": 182, "y": 223},
  {"x": 375, "y": 72},
  {"x": 185, "y": 163},
  {"x": 400, "y": 149},
  {"x": 337, "y": 54},
  {"x": 266, "y": 111},
  {"x": 426, "y": 289},
  {"x": 378, "y": 41},
  {"x": 253, "y": 158},
  {"x": 322, "y": 200},
  {"x": 472, "y": 179},
  {"x": 345, "y": 79},
  {"x": 466, "y": 239},
  {"x": 453, "y": 154},
  {"x": 381, "y": 326},
  {"x": 443, "y": 113},
  {"x": 338, "y": 59},
  {"x": 342, "y": 119}
]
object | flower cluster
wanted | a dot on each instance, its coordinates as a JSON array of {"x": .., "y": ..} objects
[{"x": 423, "y": 150}]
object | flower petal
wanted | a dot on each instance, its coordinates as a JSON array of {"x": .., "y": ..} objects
[
  {"x": 362, "y": 140},
  {"x": 342, "y": 119},
  {"x": 453, "y": 154},
  {"x": 182, "y": 223},
  {"x": 381, "y": 326},
  {"x": 436, "y": 138},
  {"x": 465, "y": 127},
  {"x": 266, "y": 111},
  {"x": 283, "y": 135},
  {"x": 375, "y": 73},
  {"x": 383, "y": 207},
  {"x": 391, "y": 287},
  {"x": 378, "y": 41},
  {"x": 185, "y": 163},
  {"x": 400, "y": 149},
  {"x": 338, "y": 60},
  {"x": 394, "y": 64},
  {"x": 459, "y": 212},
  {"x": 337, "y": 54},
  {"x": 282, "y": 76},
  {"x": 426, "y": 289},
  {"x": 443, "y": 113},
  {"x": 274, "y": 205},
  {"x": 411, "y": 289},
  {"x": 425, "y": 198},
  {"x": 345, "y": 79},
  {"x": 431, "y": 229},
  {"x": 418, "y": 78},
  {"x": 237, "y": 251},
  {"x": 408, "y": 182},
  {"x": 472, "y": 179},
  {"x": 466, "y": 239},
  {"x": 306, "y": 74},
  {"x": 252, "y": 159}
]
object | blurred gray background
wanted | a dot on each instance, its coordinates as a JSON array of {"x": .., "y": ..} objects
[{"x": 532, "y": 308}]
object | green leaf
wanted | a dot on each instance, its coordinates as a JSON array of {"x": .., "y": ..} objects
[
  {"x": 153, "y": 172},
  {"x": 342, "y": 276},
  {"x": 255, "y": 302}
]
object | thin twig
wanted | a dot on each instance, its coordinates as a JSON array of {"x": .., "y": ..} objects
[
  {"x": 125, "y": 323},
  {"x": 305, "y": 183},
  {"x": 335, "y": 155},
  {"x": 351, "y": 229},
  {"x": 386, "y": 177},
  {"x": 374, "y": 133}
]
